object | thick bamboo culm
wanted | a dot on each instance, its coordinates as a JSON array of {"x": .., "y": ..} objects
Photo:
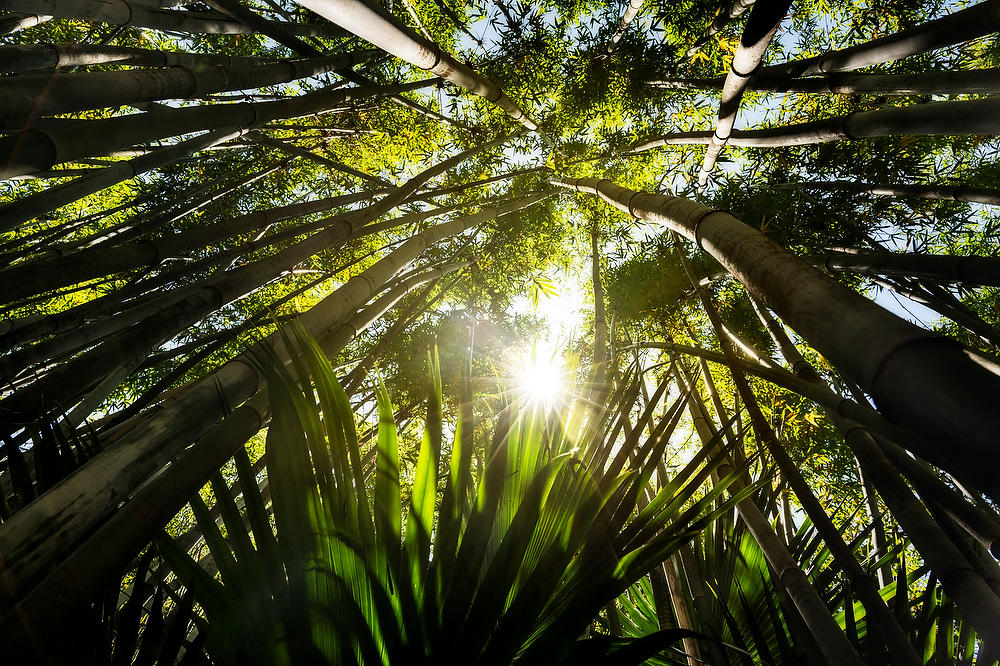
[
  {"x": 980, "y": 116},
  {"x": 971, "y": 194},
  {"x": 976, "y": 81},
  {"x": 923, "y": 382}
]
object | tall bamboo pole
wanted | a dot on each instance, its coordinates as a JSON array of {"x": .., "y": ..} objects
[
  {"x": 360, "y": 19},
  {"x": 40, "y": 148},
  {"x": 930, "y": 384},
  {"x": 23, "y": 97},
  {"x": 32, "y": 539},
  {"x": 727, "y": 13},
  {"x": 862, "y": 584},
  {"x": 969, "y": 270},
  {"x": 983, "y": 195},
  {"x": 981, "y": 116},
  {"x": 631, "y": 11},
  {"x": 19, "y": 58},
  {"x": 824, "y": 629},
  {"x": 975, "y": 21},
  {"x": 765, "y": 18},
  {"x": 123, "y": 12},
  {"x": 951, "y": 82}
]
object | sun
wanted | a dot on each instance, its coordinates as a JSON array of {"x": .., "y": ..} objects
[{"x": 541, "y": 378}]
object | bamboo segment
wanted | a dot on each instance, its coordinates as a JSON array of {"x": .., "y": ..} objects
[
  {"x": 40, "y": 149},
  {"x": 969, "y": 270},
  {"x": 983, "y": 195},
  {"x": 15, "y": 22},
  {"x": 365, "y": 22},
  {"x": 970, "y": 82},
  {"x": 123, "y": 12},
  {"x": 28, "y": 208},
  {"x": 32, "y": 57},
  {"x": 721, "y": 20},
  {"x": 976, "y": 21},
  {"x": 631, "y": 11},
  {"x": 831, "y": 639},
  {"x": 53, "y": 94},
  {"x": 924, "y": 382},
  {"x": 981, "y": 116},
  {"x": 40, "y": 276},
  {"x": 760, "y": 29},
  {"x": 38, "y": 534}
]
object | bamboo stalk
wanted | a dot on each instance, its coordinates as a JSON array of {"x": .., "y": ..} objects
[
  {"x": 929, "y": 384},
  {"x": 969, "y": 270},
  {"x": 122, "y": 12},
  {"x": 40, "y": 149},
  {"x": 970, "y": 23},
  {"x": 765, "y": 18},
  {"x": 631, "y": 11},
  {"x": 727, "y": 13},
  {"x": 33, "y": 95},
  {"x": 361, "y": 20},
  {"x": 981, "y": 116},
  {"x": 983, "y": 195},
  {"x": 970, "y": 82},
  {"x": 18, "y": 58}
]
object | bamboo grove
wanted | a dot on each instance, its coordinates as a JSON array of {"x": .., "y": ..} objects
[{"x": 269, "y": 270}]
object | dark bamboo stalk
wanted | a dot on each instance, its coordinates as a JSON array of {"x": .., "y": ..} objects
[
  {"x": 930, "y": 384},
  {"x": 19, "y": 58},
  {"x": 969, "y": 270},
  {"x": 981, "y": 116},
  {"x": 727, "y": 13},
  {"x": 983, "y": 195},
  {"x": 969, "y": 82},
  {"x": 976, "y": 21}
]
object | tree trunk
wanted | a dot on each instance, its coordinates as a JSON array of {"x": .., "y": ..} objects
[
  {"x": 370, "y": 25},
  {"x": 24, "y": 97},
  {"x": 976, "y": 81},
  {"x": 122, "y": 12},
  {"x": 40, "y": 149},
  {"x": 974, "y": 596},
  {"x": 930, "y": 384},
  {"x": 981, "y": 116},
  {"x": 630, "y": 13},
  {"x": 765, "y": 18},
  {"x": 976, "y": 21}
]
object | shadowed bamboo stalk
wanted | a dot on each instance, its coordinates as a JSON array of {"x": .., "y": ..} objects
[
  {"x": 25, "y": 209},
  {"x": 370, "y": 25},
  {"x": 983, "y": 195},
  {"x": 81, "y": 575},
  {"x": 977, "y": 81},
  {"x": 969, "y": 589},
  {"x": 53, "y": 94},
  {"x": 726, "y": 14},
  {"x": 925, "y": 382},
  {"x": 862, "y": 584},
  {"x": 828, "y": 635},
  {"x": 38, "y": 277},
  {"x": 969, "y": 270},
  {"x": 981, "y": 116},
  {"x": 15, "y": 22},
  {"x": 18, "y": 58},
  {"x": 631, "y": 11},
  {"x": 53, "y": 390},
  {"x": 122, "y": 12},
  {"x": 976, "y": 21},
  {"x": 760, "y": 29},
  {"x": 39, "y": 149},
  {"x": 36, "y": 535}
]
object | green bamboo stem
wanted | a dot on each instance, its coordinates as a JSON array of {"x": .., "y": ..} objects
[
  {"x": 765, "y": 18},
  {"x": 360, "y": 19}
]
